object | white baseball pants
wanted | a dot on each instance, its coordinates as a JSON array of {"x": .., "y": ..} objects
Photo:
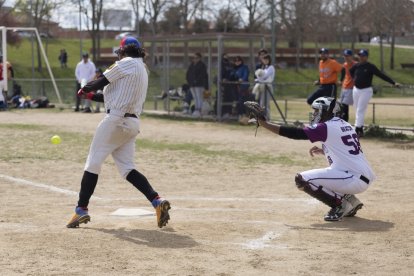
[
  {"x": 361, "y": 99},
  {"x": 114, "y": 135},
  {"x": 335, "y": 181}
]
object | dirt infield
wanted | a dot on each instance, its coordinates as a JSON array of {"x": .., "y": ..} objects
[{"x": 235, "y": 208}]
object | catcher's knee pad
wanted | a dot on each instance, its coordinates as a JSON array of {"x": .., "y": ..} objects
[
  {"x": 300, "y": 182},
  {"x": 317, "y": 192}
]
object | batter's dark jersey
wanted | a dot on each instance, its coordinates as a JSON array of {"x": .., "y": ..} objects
[{"x": 362, "y": 74}]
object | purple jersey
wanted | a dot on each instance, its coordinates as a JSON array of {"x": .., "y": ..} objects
[{"x": 341, "y": 146}]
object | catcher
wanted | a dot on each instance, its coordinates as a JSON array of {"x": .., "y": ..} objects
[{"x": 348, "y": 173}]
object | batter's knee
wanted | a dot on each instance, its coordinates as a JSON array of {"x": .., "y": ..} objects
[
  {"x": 300, "y": 182},
  {"x": 93, "y": 167}
]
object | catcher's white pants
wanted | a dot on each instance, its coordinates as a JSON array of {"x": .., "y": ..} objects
[
  {"x": 361, "y": 99},
  {"x": 114, "y": 135},
  {"x": 335, "y": 181}
]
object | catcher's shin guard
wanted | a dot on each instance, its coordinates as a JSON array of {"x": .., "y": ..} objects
[{"x": 319, "y": 193}]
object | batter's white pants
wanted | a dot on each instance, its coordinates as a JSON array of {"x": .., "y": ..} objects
[
  {"x": 335, "y": 182},
  {"x": 198, "y": 96},
  {"x": 114, "y": 135},
  {"x": 361, "y": 99}
]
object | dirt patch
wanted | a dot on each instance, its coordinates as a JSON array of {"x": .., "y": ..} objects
[{"x": 235, "y": 208}]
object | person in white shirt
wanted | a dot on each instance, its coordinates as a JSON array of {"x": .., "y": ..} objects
[
  {"x": 84, "y": 72},
  {"x": 264, "y": 83},
  {"x": 348, "y": 173}
]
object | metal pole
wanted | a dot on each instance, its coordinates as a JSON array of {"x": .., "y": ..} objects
[
  {"x": 80, "y": 29},
  {"x": 48, "y": 66},
  {"x": 373, "y": 113},
  {"x": 209, "y": 66},
  {"x": 219, "y": 53},
  {"x": 4, "y": 51},
  {"x": 273, "y": 33}
]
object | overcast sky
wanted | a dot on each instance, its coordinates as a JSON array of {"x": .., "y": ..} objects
[{"x": 68, "y": 17}]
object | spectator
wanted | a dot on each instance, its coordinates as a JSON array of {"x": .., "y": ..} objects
[
  {"x": 345, "y": 99},
  {"x": 197, "y": 79},
  {"x": 264, "y": 83},
  {"x": 63, "y": 58},
  {"x": 328, "y": 77},
  {"x": 84, "y": 72},
  {"x": 362, "y": 74},
  {"x": 262, "y": 52},
  {"x": 10, "y": 75},
  {"x": 228, "y": 94},
  {"x": 240, "y": 75}
]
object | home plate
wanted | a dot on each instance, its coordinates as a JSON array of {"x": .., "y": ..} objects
[{"x": 125, "y": 212}]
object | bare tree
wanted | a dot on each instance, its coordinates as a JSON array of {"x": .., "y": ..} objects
[
  {"x": 227, "y": 20},
  {"x": 153, "y": 10},
  {"x": 93, "y": 10},
  {"x": 257, "y": 14},
  {"x": 136, "y": 7},
  {"x": 38, "y": 12},
  {"x": 299, "y": 18},
  {"x": 397, "y": 16},
  {"x": 188, "y": 9},
  {"x": 7, "y": 19}
]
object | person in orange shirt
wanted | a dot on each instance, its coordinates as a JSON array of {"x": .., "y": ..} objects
[
  {"x": 345, "y": 99},
  {"x": 328, "y": 77}
]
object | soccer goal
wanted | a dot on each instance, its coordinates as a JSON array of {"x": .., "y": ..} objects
[{"x": 4, "y": 52}]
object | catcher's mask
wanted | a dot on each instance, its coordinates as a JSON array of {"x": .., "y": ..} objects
[
  {"x": 324, "y": 109},
  {"x": 129, "y": 46}
]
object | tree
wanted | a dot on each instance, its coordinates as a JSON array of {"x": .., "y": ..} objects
[
  {"x": 7, "y": 19},
  {"x": 227, "y": 20},
  {"x": 93, "y": 10},
  {"x": 257, "y": 14},
  {"x": 188, "y": 9},
  {"x": 299, "y": 18},
  {"x": 172, "y": 22},
  {"x": 136, "y": 7},
  {"x": 38, "y": 12},
  {"x": 200, "y": 25}
]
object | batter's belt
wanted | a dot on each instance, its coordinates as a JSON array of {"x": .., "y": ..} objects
[
  {"x": 363, "y": 178},
  {"x": 120, "y": 113}
]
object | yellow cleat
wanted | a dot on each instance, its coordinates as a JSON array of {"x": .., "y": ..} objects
[
  {"x": 80, "y": 216},
  {"x": 162, "y": 213}
]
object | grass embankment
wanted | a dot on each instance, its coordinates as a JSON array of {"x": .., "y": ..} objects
[{"x": 21, "y": 58}]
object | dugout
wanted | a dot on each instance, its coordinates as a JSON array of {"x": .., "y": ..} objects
[{"x": 167, "y": 53}]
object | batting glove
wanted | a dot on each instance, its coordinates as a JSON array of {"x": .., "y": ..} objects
[
  {"x": 80, "y": 93},
  {"x": 89, "y": 95}
]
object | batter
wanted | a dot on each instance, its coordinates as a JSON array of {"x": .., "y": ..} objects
[{"x": 124, "y": 86}]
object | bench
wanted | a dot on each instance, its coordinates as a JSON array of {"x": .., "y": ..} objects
[
  {"x": 407, "y": 65},
  {"x": 166, "y": 101}
]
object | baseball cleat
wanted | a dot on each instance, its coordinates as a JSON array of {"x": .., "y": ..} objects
[
  {"x": 356, "y": 205},
  {"x": 80, "y": 216},
  {"x": 338, "y": 212},
  {"x": 162, "y": 213}
]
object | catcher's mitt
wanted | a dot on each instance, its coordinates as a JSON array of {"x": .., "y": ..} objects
[{"x": 256, "y": 112}]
